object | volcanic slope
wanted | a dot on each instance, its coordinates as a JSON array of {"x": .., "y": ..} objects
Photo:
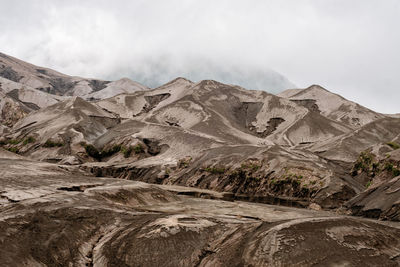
[
  {"x": 56, "y": 132},
  {"x": 56, "y": 83},
  {"x": 211, "y": 129},
  {"x": 17, "y": 100},
  {"x": 294, "y": 149},
  {"x": 348, "y": 146},
  {"x": 378, "y": 168},
  {"x": 29, "y": 96},
  {"x": 226, "y": 112},
  {"x": 332, "y": 106},
  {"x": 209, "y": 123},
  {"x": 216, "y": 141}
]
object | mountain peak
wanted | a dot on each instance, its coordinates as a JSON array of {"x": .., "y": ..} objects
[
  {"x": 332, "y": 105},
  {"x": 180, "y": 80},
  {"x": 314, "y": 89}
]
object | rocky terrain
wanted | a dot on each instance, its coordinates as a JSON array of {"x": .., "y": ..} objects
[
  {"x": 59, "y": 216},
  {"x": 187, "y": 155}
]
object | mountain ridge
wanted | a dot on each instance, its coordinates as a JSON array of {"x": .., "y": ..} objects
[
  {"x": 217, "y": 174},
  {"x": 313, "y": 132}
]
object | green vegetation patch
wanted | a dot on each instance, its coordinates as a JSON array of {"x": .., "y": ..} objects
[
  {"x": 14, "y": 141},
  {"x": 138, "y": 148},
  {"x": 391, "y": 168},
  {"x": 93, "y": 152},
  {"x": 13, "y": 149},
  {"x": 28, "y": 140},
  {"x": 111, "y": 151},
  {"x": 51, "y": 143},
  {"x": 393, "y": 145},
  {"x": 127, "y": 151},
  {"x": 366, "y": 163}
]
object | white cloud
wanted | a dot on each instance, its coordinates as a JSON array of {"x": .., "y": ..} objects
[{"x": 349, "y": 47}]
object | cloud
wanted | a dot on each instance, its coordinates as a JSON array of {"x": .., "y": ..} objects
[{"x": 349, "y": 47}]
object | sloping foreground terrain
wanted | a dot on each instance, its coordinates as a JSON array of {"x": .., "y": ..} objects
[
  {"x": 57, "y": 216},
  {"x": 186, "y": 154}
]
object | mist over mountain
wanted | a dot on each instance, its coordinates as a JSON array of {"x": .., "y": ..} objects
[
  {"x": 349, "y": 47},
  {"x": 162, "y": 70}
]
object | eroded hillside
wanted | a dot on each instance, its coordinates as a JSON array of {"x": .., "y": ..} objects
[{"x": 304, "y": 148}]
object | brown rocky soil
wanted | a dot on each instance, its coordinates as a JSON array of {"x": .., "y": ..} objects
[{"x": 57, "y": 216}]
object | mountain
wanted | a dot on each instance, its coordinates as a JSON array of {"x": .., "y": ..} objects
[
  {"x": 300, "y": 145},
  {"x": 123, "y": 85},
  {"x": 130, "y": 105},
  {"x": 55, "y": 132},
  {"x": 164, "y": 148},
  {"x": 378, "y": 167},
  {"x": 25, "y": 88},
  {"x": 348, "y": 146},
  {"x": 332, "y": 106},
  {"x": 17, "y": 100},
  {"x": 55, "y": 83},
  {"x": 205, "y": 120},
  {"x": 226, "y": 111},
  {"x": 209, "y": 123},
  {"x": 29, "y": 96}
]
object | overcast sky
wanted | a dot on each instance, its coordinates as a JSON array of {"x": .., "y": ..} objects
[{"x": 350, "y": 47}]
